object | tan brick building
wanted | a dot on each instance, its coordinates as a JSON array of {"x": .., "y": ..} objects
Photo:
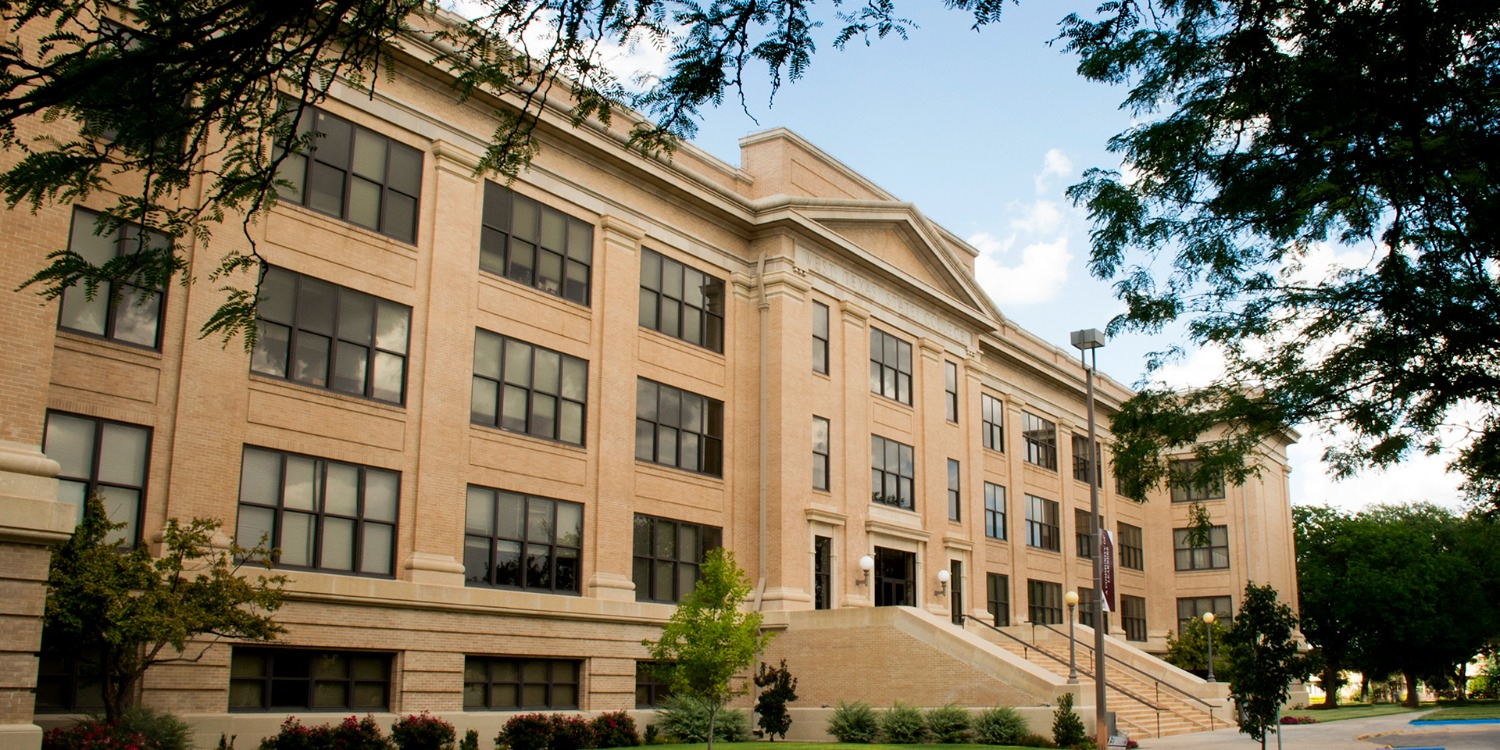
[{"x": 492, "y": 429}]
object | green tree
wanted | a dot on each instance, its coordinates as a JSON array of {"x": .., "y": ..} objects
[
  {"x": 1067, "y": 728},
  {"x": 128, "y": 607},
  {"x": 1329, "y": 616},
  {"x": 780, "y": 688},
  {"x": 709, "y": 640},
  {"x": 1263, "y": 656},
  {"x": 1189, "y": 649}
]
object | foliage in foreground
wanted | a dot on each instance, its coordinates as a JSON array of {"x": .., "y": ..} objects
[
  {"x": 1189, "y": 650},
  {"x": 854, "y": 723},
  {"x": 902, "y": 724},
  {"x": 137, "y": 729},
  {"x": 779, "y": 689},
  {"x": 688, "y": 719},
  {"x": 1263, "y": 653},
  {"x": 1002, "y": 725},
  {"x": 949, "y": 724},
  {"x": 1067, "y": 727}
]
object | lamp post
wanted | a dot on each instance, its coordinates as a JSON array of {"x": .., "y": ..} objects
[
  {"x": 1208, "y": 625},
  {"x": 1087, "y": 342},
  {"x": 1072, "y": 599}
]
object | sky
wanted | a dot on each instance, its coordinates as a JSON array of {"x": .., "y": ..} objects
[{"x": 984, "y": 131}]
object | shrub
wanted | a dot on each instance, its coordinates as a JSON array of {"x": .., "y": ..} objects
[
  {"x": 903, "y": 725},
  {"x": 91, "y": 734},
  {"x": 652, "y": 736},
  {"x": 1067, "y": 728},
  {"x": 949, "y": 724},
  {"x": 999, "y": 726},
  {"x": 161, "y": 730},
  {"x": 424, "y": 732},
  {"x": 571, "y": 733},
  {"x": 470, "y": 740},
  {"x": 359, "y": 734},
  {"x": 853, "y": 722},
  {"x": 526, "y": 732},
  {"x": 1298, "y": 720},
  {"x": 615, "y": 729},
  {"x": 296, "y": 736},
  {"x": 353, "y": 733},
  {"x": 1035, "y": 740},
  {"x": 780, "y": 689},
  {"x": 686, "y": 718}
]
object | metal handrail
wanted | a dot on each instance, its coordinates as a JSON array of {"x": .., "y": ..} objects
[
  {"x": 1135, "y": 669},
  {"x": 1081, "y": 670}
]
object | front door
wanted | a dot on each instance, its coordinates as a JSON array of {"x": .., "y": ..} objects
[{"x": 895, "y": 578}]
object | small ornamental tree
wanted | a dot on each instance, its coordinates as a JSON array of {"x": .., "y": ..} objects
[
  {"x": 128, "y": 607},
  {"x": 1263, "y": 655},
  {"x": 780, "y": 688},
  {"x": 709, "y": 640}
]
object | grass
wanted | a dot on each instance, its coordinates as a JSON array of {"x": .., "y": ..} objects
[
  {"x": 1458, "y": 711},
  {"x": 1351, "y": 711}
]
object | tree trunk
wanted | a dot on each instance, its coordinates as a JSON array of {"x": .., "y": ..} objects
[
  {"x": 713, "y": 713},
  {"x": 1331, "y": 684},
  {"x": 1411, "y": 691},
  {"x": 1461, "y": 682}
]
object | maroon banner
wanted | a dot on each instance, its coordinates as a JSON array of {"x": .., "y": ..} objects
[{"x": 1107, "y": 568}]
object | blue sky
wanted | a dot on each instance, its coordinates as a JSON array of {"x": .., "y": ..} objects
[{"x": 984, "y": 131}]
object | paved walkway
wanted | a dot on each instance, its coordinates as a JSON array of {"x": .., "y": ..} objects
[{"x": 1352, "y": 734}]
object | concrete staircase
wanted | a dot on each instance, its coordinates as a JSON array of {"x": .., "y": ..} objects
[{"x": 1149, "y": 697}]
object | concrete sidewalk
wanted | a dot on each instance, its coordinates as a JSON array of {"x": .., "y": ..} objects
[{"x": 1353, "y": 734}]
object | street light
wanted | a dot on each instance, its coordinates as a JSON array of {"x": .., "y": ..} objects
[
  {"x": 1072, "y": 599},
  {"x": 1087, "y": 342},
  {"x": 1208, "y": 624}
]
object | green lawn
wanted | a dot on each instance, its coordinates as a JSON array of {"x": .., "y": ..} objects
[
  {"x": 1470, "y": 710},
  {"x": 1351, "y": 711}
]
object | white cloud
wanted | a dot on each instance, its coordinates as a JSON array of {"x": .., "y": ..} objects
[
  {"x": 1037, "y": 276},
  {"x": 1199, "y": 368},
  {"x": 1419, "y": 478},
  {"x": 636, "y": 60},
  {"x": 1043, "y": 217},
  {"x": 1055, "y": 166}
]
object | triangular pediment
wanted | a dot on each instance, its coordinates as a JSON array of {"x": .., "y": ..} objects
[{"x": 895, "y": 243}]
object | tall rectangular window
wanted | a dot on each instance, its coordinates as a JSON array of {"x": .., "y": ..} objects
[
  {"x": 1185, "y": 490},
  {"x": 678, "y": 428},
  {"x": 128, "y": 314},
  {"x": 1042, "y": 526},
  {"x": 535, "y": 244},
  {"x": 1081, "y": 460},
  {"x": 997, "y": 598},
  {"x": 529, "y": 389},
  {"x": 955, "y": 495},
  {"x": 1133, "y": 617},
  {"x": 992, "y": 418},
  {"x": 277, "y": 679},
  {"x": 518, "y": 541},
  {"x": 822, "y": 572},
  {"x": 1083, "y": 533},
  {"x": 1192, "y": 608},
  {"x": 820, "y": 337},
  {"x": 103, "y": 458},
  {"x": 650, "y": 691},
  {"x": 681, "y": 302},
  {"x": 67, "y": 677},
  {"x": 1211, "y": 556},
  {"x": 822, "y": 472},
  {"x": 890, "y": 366},
  {"x": 950, "y": 390},
  {"x": 354, "y": 173},
  {"x": 667, "y": 555},
  {"x": 1088, "y": 604},
  {"x": 1132, "y": 547},
  {"x": 892, "y": 477},
  {"x": 321, "y": 514},
  {"x": 324, "y": 335},
  {"x": 511, "y": 684},
  {"x": 1040, "y": 436},
  {"x": 1044, "y": 602},
  {"x": 994, "y": 511}
]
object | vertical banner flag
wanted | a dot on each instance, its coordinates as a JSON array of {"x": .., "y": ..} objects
[{"x": 1107, "y": 568}]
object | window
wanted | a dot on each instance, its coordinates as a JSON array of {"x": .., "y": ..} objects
[
  {"x": 956, "y": 591},
  {"x": 355, "y": 174},
  {"x": 890, "y": 366},
  {"x": 1183, "y": 488},
  {"x": 520, "y": 387},
  {"x": 1042, "y": 523},
  {"x": 950, "y": 390},
  {"x": 678, "y": 428},
  {"x": 891, "y": 473},
  {"x": 509, "y": 684},
  {"x": 650, "y": 691},
  {"x": 1088, "y": 604},
  {"x": 820, "y": 337},
  {"x": 1212, "y": 556},
  {"x": 1040, "y": 436},
  {"x": 518, "y": 541},
  {"x": 67, "y": 677},
  {"x": 1193, "y": 609},
  {"x": 992, "y": 417},
  {"x": 955, "y": 501},
  {"x": 1133, "y": 617},
  {"x": 997, "y": 598},
  {"x": 270, "y": 679},
  {"x": 127, "y": 314},
  {"x": 321, "y": 514},
  {"x": 1081, "y": 461},
  {"x": 681, "y": 302},
  {"x": 1044, "y": 602},
  {"x": 820, "y": 467},
  {"x": 994, "y": 511},
  {"x": 99, "y": 457},
  {"x": 1132, "y": 549},
  {"x": 320, "y": 334},
  {"x": 822, "y": 572},
  {"x": 667, "y": 554},
  {"x": 536, "y": 245},
  {"x": 1083, "y": 533}
]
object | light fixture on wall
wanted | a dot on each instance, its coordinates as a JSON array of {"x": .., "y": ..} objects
[
  {"x": 866, "y": 564},
  {"x": 943, "y": 578}
]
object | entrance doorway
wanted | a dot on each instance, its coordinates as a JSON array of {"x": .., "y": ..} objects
[{"x": 895, "y": 578}]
